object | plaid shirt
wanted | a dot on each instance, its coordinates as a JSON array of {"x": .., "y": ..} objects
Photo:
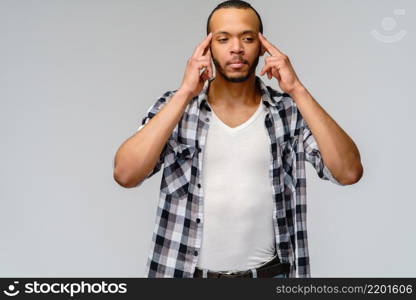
[{"x": 178, "y": 230}]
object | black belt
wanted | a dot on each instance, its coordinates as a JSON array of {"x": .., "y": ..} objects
[{"x": 268, "y": 270}]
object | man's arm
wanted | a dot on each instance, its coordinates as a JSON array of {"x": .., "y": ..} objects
[
  {"x": 338, "y": 150},
  {"x": 138, "y": 155}
]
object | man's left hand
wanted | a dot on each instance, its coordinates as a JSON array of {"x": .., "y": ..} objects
[{"x": 278, "y": 65}]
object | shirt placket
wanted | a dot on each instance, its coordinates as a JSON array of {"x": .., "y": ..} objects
[
  {"x": 281, "y": 232},
  {"x": 201, "y": 133}
]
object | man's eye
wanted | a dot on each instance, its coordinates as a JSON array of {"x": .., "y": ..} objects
[{"x": 223, "y": 40}]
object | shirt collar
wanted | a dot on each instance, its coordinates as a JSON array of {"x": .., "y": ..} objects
[{"x": 269, "y": 95}]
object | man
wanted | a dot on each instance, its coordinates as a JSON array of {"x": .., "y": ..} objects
[{"x": 233, "y": 191}]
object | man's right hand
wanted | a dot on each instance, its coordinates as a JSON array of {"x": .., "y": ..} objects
[{"x": 193, "y": 80}]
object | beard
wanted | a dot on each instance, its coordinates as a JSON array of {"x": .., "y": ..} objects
[{"x": 238, "y": 78}]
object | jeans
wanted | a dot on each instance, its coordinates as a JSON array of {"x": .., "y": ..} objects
[{"x": 280, "y": 276}]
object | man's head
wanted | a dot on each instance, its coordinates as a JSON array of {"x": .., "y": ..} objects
[{"x": 235, "y": 26}]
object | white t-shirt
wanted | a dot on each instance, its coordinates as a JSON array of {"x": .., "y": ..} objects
[{"x": 238, "y": 232}]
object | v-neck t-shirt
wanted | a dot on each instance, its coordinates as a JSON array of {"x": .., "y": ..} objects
[{"x": 238, "y": 230}]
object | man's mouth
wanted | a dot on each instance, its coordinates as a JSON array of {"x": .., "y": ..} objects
[{"x": 237, "y": 64}]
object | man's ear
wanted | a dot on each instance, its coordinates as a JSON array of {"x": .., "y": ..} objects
[{"x": 263, "y": 50}]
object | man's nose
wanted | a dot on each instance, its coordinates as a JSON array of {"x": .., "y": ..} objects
[{"x": 236, "y": 46}]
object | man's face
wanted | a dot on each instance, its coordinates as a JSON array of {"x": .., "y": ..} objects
[{"x": 235, "y": 38}]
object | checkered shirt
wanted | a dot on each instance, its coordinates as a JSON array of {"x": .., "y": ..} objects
[{"x": 178, "y": 229}]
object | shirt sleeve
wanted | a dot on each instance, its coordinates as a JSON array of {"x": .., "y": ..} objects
[
  {"x": 151, "y": 112},
  {"x": 314, "y": 157}
]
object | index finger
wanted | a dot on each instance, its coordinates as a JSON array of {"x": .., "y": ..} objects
[
  {"x": 271, "y": 49},
  {"x": 200, "y": 49}
]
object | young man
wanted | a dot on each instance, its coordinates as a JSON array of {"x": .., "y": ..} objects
[{"x": 233, "y": 191}]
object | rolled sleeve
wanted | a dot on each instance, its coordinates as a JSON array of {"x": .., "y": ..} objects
[
  {"x": 151, "y": 112},
  {"x": 314, "y": 157}
]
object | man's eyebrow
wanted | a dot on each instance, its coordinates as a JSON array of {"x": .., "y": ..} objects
[{"x": 242, "y": 33}]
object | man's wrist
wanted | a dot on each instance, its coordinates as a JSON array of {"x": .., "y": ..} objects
[
  {"x": 184, "y": 92},
  {"x": 183, "y": 95},
  {"x": 299, "y": 92}
]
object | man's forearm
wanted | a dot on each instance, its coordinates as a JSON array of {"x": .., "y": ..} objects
[
  {"x": 338, "y": 150},
  {"x": 138, "y": 155}
]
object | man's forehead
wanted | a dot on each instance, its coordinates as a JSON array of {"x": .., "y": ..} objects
[{"x": 233, "y": 20}]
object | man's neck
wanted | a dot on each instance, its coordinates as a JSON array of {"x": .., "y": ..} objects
[{"x": 233, "y": 94}]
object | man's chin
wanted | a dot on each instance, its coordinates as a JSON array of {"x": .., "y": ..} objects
[{"x": 238, "y": 77}]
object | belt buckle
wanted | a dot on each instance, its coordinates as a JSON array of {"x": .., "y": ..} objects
[
  {"x": 229, "y": 272},
  {"x": 236, "y": 273}
]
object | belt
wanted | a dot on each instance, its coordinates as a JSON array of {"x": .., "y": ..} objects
[{"x": 268, "y": 270}]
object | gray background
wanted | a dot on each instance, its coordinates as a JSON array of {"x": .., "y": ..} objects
[{"x": 77, "y": 77}]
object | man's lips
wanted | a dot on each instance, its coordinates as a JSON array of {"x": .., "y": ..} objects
[{"x": 237, "y": 64}]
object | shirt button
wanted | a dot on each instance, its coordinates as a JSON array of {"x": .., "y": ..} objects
[
  {"x": 207, "y": 119},
  {"x": 198, "y": 220},
  {"x": 199, "y": 185},
  {"x": 195, "y": 253}
]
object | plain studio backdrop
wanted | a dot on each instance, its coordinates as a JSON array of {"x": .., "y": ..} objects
[{"x": 77, "y": 77}]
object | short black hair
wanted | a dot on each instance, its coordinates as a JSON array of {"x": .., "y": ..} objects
[{"x": 234, "y": 4}]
